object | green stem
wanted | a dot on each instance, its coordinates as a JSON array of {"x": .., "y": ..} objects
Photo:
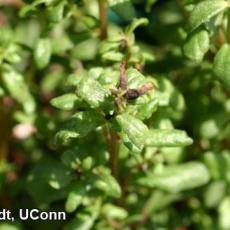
[{"x": 103, "y": 18}]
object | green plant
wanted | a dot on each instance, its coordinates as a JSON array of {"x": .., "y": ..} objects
[{"x": 96, "y": 104}]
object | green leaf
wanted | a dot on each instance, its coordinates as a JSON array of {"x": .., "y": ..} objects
[
  {"x": 51, "y": 172},
  {"x": 42, "y": 52},
  {"x": 109, "y": 78},
  {"x": 74, "y": 79},
  {"x": 173, "y": 155},
  {"x": 124, "y": 8},
  {"x": 169, "y": 95},
  {"x": 113, "y": 56},
  {"x": 114, "y": 212},
  {"x": 129, "y": 144},
  {"x": 52, "y": 81},
  {"x": 224, "y": 212},
  {"x": 46, "y": 2},
  {"x": 165, "y": 91},
  {"x": 18, "y": 89},
  {"x": 136, "y": 23},
  {"x": 75, "y": 198},
  {"x": 130, "y": 29},
  {"x": 218, "y": 164},
  {"x": 43, "y": 194},
  {"x": 107, "y": 46},
  {"x": 149, "y": 4},
  {"x": 77, "y": 159},
  {"x": 161, "y": 199},
  {"x": 222, "y": 65},
  {"x": 179, "y": 177},
  {"x": 94, "y": 93},
  {"x": 214, "y": 193},
  {"x": 96, "y": 72},
  {"x": 86, "y": 218},
  {"x": 33, "y": 6},
  {"x": 167, "y": 138},
  {"x": 134, "y": 128},
  {"x": 205, "y": 10},
  {"x": 66, "y": 102},
  {"x": 11, "y": 53},
  {"x": 79, "y": 125},
  {"x": 25, "y": 10},
  {"x": 144, "y": 106},
  {"x": 197, "y": 45},
  {"x": 90, "y": 22},
  {"x": 145, "y": 111},
  {"x": 138, "y": 133},
  {"x": 61, "y": 44},
  {"x": 10, "y": 226},
  {"x": 107, "y": 183},
  {"x": 2, "y": 92},
  {"x": 135, "y": 78},
  {"x": 82, "y": 222},
  {"x": 86, "y": 50},
  {"x": 56, "y": 12}
]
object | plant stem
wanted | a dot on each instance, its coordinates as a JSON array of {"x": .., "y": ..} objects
[
  {"x": 145, "y": 212},
  {"x": 112, "y": 140},
  {"x": 103, "y": 18},
  {"x": 221, "y": 37},
  {"x": 228, "y": 26},
  {"x": 3, "y": 136},
  {"x": 14, "y": 3},
  {"x": 5, "y": 123}
]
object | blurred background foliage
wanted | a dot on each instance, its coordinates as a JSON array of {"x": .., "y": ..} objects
[{"x": 57, "y": 156}]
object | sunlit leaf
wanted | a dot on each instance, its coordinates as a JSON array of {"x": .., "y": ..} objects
[
  {"x": 42, "y": 52},
  {"x": 222, "y": 65},
  {"x": 16, "y": 85},
  {"x": 197, "y": 45},
  {"x": 205, "y": 10},
  {"x": 179, "y": 177}
]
